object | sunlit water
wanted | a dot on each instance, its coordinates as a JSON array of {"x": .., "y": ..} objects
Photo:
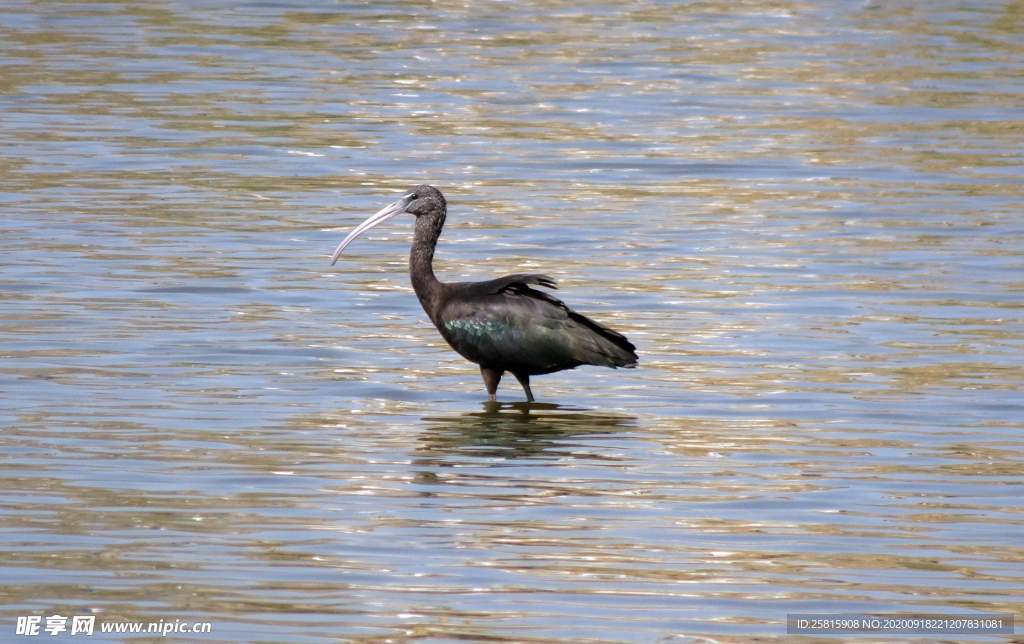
[{"x": 807, "y": 216}]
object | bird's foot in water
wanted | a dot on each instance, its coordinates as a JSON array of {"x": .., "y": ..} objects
[{"x": 524, "y": 380}]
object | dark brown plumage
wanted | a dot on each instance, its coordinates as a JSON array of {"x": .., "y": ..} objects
[{"x": 503, "y": 325}]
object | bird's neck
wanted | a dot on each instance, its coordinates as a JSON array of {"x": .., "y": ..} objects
[{"x": 421, "y": 268}]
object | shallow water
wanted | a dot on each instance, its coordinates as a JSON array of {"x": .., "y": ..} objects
[{"x": 807, "y": 216}]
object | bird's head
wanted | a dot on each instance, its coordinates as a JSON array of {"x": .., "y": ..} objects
[{"x": 425, "y": 202}]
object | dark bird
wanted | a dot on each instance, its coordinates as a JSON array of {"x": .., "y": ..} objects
[{"x": 502, "y": 324}]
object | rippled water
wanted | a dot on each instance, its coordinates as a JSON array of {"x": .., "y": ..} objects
[{"x": 807, "y": 216}]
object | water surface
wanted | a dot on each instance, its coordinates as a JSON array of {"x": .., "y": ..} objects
[{"x": 807, "y": 216}]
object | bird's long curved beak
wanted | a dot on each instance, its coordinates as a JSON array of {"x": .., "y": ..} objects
[{"x": 379, "y": 217}]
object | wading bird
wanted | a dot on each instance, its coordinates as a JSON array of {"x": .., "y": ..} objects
[{"x": 502, "y": 324}]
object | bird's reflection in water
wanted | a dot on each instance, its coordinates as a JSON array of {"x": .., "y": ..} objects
[{"x": 513, "y": 430}]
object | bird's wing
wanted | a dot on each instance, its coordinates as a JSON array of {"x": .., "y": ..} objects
[
  {"x": 505, "y": 323},
  {"x": 493, "y": 287}
]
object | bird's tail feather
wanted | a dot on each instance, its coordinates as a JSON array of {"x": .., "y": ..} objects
[{"x": 602, "y": 346}]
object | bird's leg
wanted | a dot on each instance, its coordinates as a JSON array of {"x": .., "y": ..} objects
[
  {"x": 491, "y": 380},
  {"x": 524, "y": 380}
]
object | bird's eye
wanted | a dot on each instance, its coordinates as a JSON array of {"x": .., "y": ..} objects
[{"x": 411, "y": 197}]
